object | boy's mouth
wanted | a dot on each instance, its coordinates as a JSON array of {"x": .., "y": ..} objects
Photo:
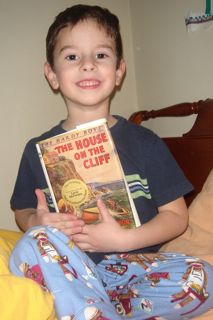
[{"x": 90, "y": 83}]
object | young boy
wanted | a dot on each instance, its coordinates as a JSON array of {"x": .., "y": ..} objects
[{"x": 84, "y": 61}]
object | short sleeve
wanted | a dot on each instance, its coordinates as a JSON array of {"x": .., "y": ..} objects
[
  {"x": 166, "y": 180},
  {"x": 24, "y": 190}
]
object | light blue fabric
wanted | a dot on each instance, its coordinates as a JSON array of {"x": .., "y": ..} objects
[{"x": 139, "y": 286}]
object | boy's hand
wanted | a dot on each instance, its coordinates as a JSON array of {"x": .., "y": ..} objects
[
  {"x": 68, "y": 223},
  {"x": 106, "y": 236}
]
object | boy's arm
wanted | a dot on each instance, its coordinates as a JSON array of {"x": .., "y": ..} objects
[
  {"x": 108, "y": 236},
  {"x": 170, "y": 222},
  {"x": 30, "y": 217}
]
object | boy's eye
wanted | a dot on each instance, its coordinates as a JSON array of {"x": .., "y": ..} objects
[
  {"x": 72, "y": 57},
  {"x": 101, "y": 55}
]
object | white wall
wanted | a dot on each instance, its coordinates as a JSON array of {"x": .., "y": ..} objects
[
  {"x": 172, "y": 65},
  {"x": 28, "y": 105}
]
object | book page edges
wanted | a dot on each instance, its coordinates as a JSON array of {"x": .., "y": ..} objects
[
  {"x": 78, "y": 128},
  {"x": 46, "y": 176}
]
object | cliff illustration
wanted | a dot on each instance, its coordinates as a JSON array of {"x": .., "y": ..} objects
[
  {"x": 59, "y": 173},
  {"x": 60, "y": 170}
]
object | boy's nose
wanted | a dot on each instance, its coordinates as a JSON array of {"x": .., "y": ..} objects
[{"x": 88, "y": 65}]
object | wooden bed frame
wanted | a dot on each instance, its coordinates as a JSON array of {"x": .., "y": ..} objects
[{"x": 194, "y": 150}]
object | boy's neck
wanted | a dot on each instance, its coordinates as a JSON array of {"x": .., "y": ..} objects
[{"x": 71, "y": 122}]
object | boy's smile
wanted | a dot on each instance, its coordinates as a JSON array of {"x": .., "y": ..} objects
[
  {"x": 85, "y": 66},
  {"x": 88, "y": 84}
]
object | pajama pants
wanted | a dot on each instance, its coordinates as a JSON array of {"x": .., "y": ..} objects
[{"x": 137, "y": 286}]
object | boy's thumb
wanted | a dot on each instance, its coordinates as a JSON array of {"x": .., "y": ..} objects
[
  {"x": 42, "y": 204},
  {"x": 103, "y": 209}
]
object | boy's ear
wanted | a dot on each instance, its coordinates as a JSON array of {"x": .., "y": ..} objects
[
  {"x": 51, "y": 76},
  {"x": 120, "y": 72}
]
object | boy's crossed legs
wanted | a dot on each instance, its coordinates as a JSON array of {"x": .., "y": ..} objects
[{"x": 139, "y": 286}]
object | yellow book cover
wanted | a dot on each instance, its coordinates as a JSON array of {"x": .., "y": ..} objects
[{"x": 82, "y": 165}]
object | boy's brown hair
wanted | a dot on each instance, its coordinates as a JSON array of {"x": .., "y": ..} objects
[{"x": 73, "y": 15}]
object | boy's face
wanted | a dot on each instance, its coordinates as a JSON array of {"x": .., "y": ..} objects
[{"x": 85, "y": 66}]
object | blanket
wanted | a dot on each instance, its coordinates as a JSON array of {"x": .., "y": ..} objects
[{"x": 21, "y": 298}]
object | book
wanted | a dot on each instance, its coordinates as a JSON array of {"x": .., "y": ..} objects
[{"x": 83, "y": 165}]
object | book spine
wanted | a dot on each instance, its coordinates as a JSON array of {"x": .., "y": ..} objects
[
  {"x": 132, "y": 204},
  {"x": 47, "y": 177},
  {"x": 134, "y": 210}
]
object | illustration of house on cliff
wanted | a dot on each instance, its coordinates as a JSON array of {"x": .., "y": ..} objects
[{"x": 51, "y": 157}]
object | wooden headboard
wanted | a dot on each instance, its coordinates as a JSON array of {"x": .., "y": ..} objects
[{"x": 194, "y": 150}]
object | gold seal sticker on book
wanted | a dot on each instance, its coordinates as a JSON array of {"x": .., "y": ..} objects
[{"x": 74, "y": 192}]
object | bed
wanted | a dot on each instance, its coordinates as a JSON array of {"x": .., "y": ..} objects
[
  {"x": 194, "y": 154},
  {"x": 22, "y": 298}
]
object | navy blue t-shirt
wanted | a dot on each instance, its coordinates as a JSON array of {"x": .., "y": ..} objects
[{"x": 153, "y": 176}]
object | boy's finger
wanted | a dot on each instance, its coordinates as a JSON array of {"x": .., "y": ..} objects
[{"x": 69, "y": 217}]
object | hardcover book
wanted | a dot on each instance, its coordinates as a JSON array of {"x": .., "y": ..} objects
[{"x": 82, "y": 165}]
